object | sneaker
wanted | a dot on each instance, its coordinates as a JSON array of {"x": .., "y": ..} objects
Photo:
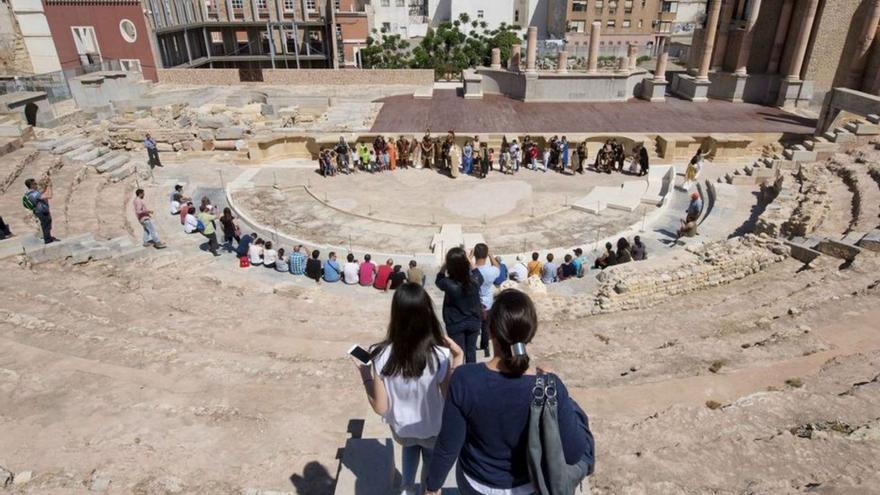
[
  {"x": 148, "y": 244},
  {"x": 160, "y": 245},
  {"x": 410, "y": 490}
]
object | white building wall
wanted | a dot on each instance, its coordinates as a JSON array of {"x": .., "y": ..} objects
[
  {"x": 37, "y": 37},
  {"x": 398, "y": 19},
  {"x": 494, "y": 12}
]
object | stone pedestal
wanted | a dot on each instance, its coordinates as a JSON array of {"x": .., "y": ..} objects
[
  {"x": 692, "y": 88},
  {"x": 562, "y": 63},
  {"x": 473, "y": 85},
  {"x": 654, "y": 90},
  {"x": 496, "y": 59},
  {"x": 793, "y": 93},
  {"x": 595, "y": 34},
  {"x": 729, "y": 86},
  {"x": 632, "y": 53},
  {"x": 515, "y": 58}
]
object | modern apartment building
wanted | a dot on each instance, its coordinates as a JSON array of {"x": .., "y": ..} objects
[
  {"x": 257, "y": 34},
  {"x": 408, "y": 18},
  {"x": 622, "y": 22}
]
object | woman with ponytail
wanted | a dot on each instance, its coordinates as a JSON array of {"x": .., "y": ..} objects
[{"x": 486, "y": 414}]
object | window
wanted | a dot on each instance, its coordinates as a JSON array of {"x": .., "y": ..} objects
[
  {"x": 289, "y": 5},
  {"x": 386, "y": 27},
  {"x": 628, "y": 6},
  {"x": 579, "y": 6},
  {"x": 86, "y": 44},
  {"x": 237, "y": 4},
  {"x": 626, "y": 23},
  {"x": 401, "y": 3},
  {"x": 128, "y": 30},
  {"x": 261, "y": 4},
  {"x": 312, "y": 5},
  {"x": 611, "y": 23},
  {"x": 216, "y": 37},
  {"x": 130, "y": 64},
  {"x": 516, "y": 15},
  {"x": 386, "y": 3},
  {"x": 600, "y": 4},
  {"x": 641, "y": 23},
  {"x": 480, "y": 14},
  {"x": 577, "y": 26}
]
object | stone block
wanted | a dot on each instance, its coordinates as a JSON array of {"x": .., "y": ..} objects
[
  {"x": 871, "y": 241},
  {"x": 801, "y": 252},
  {"x": 213, "y": 121},
  {"x": 229, "y": 133},
  {"x": 838, "y": 249},
  {"x": 205, "y": 134}
]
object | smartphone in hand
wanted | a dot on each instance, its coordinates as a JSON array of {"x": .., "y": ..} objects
[{"x": 362, "y": 355}]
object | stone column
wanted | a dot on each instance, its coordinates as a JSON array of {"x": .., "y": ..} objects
[
  {"x": 515, "y": 55},
  {"x": 745, "y": 48},
  {"x": 662, "y": 61},
  {"x": 723, "y": 33},
  {"x": 496, "y": 59},
  {"x": 632, "y": 53},
  {"x": 740, "y": 7},
  {"x": 595, "y": 33},
  {"x": 863, "y": 47},
  {"x": 562, "y": 64},
  {"x": 803, "y": 39},
  {"x": 781, "y": 33},
  {"x": 532, "y": 49},
  {"x": 711, "y": 29},
  {"x": 622, "y": 64}
]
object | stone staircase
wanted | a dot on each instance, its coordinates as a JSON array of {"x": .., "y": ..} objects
[
  {"x": 75, "y": 250},
  {"x": 82, "y": 150}
]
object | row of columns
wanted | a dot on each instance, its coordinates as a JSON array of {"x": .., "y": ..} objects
[
  {"x": 717, "y": 34},
  {"x": 514, "y": 62}
]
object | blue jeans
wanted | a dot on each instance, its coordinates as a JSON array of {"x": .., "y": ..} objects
[
  {"x": 410, "y": 464},
  {"x": 467, "y": 340},
  {"x": 150, "y": 235}
]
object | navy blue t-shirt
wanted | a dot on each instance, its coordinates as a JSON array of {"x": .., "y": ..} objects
[{"x": 485, "y": 427}]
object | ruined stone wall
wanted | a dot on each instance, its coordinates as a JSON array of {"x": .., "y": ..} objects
[
  {"x": 632, "y": 286},
  {"x": 199, "y": 77},
  {"x": 302, "y": 77},
  {"x": 801, "y": 204}
]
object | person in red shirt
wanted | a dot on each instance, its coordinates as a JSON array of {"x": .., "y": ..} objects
[{"x": 383, "y": 276}]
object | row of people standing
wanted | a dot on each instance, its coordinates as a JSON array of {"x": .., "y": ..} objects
[{"x": 476, "y": 157}]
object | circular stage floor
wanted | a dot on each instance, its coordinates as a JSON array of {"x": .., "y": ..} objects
[{"x": 401, "y": 211}]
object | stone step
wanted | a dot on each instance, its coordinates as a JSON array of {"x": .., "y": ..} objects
[
  {"x": 800, "y": 154},
  {"x": 37, "y": 252},
  {"x": 113, "y": 163},
  {"x": 100, "y": 160},
  {"x": 91, "y": 154},
  {"x": 80, "y": 150},
  {"x": 126, "y": 170},
  {"x": 69, "y": 145},
  {"x": 873, "y": 118},
  {"x": 871, "y": 241},
  {"x": 132, "y": 253},
  {"x": 860, "y": 128},
  {"x": 10, "y": 247},
  {"x": 92, "y": 253}
]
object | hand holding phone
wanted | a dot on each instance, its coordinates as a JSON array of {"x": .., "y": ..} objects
[{"x": 361, "y": 355}]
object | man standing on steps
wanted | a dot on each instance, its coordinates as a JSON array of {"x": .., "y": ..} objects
[
  {"x": 38, "y": 202},
  {"x": 144, "y": 216},
  {"x": 488, "y": 269},
  {"x": 152, "y": 152}
]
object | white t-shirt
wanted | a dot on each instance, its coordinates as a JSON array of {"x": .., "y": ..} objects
[
  {"x": 351, "y": 273},
  {"x": 489, "y": 273},
  {"x": 190, "y": 224},
  {"x": 269, "y": 256},
  {"x": 175, "y": 207},
  {"x": 255, "y": 253},
  {"x": 519, "y": 272},
  {"x": 415, "y": 405}
]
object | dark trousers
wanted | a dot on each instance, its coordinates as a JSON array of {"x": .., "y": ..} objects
[
  {"x": 45, "y": 225},
  {"x": 153, "y": 158},
  {"x": 213, "y": 245},
  {"x": 4, "y": 229},
  {"x": 467, "y": 340}
]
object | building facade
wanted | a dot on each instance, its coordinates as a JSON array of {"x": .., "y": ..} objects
[
  {"x": 621, "y": 22},
  {"x": 88, "y": 32},
  {"x": 256, "y": 34},
  {"x": 408, "y": 18}
]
